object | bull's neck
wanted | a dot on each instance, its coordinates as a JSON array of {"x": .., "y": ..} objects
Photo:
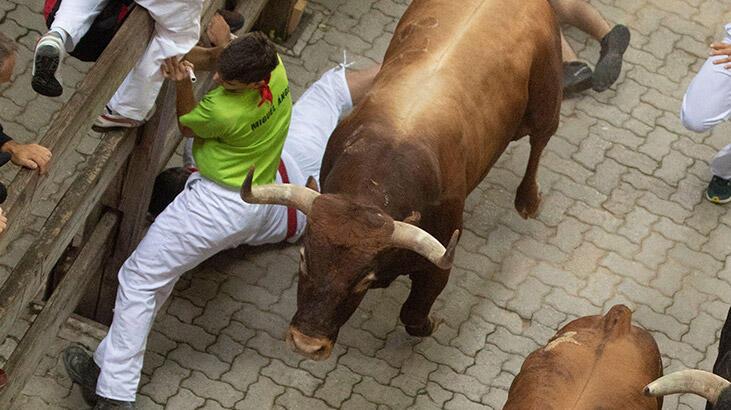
[{"x": 382, "y": 168}]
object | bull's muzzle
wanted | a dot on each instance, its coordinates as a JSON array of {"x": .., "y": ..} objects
[{"x": 315, "y": 348}]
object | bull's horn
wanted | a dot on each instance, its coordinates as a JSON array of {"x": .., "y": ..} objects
[
  {"x": 702, "y": 383},
  {"x": 410, "y": 237},
  {"x": 278, "y": 194}
]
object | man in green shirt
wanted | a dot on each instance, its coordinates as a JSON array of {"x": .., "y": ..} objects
[{"x": 243, "y": 122}]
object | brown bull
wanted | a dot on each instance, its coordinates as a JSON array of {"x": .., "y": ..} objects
[
  {"x": 594, "y": 362},
  {"x": 459, "y": 82}
]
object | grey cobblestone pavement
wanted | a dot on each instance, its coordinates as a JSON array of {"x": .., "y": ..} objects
[{"x": 623, "y": 222}]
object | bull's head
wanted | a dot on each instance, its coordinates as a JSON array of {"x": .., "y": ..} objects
[{"x": 337, "y": 261}]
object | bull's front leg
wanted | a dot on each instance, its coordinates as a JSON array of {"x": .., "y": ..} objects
[
  {"x": 528, "y": 198},
  {"x": 426, "y": 285}
]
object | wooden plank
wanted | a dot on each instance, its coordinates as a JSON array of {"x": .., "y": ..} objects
[
  {"x": 75, "y": 206},
  {"x": 275, "y": 17},
  {"x": 138, "y": 183},
  {"x": 298, "y": 10},
  {"x": 135, "y": 199},
  {"x": 23, "y": 361},
  {"x": 251, "y": 10},
  {"x": 141, "y": 173},
  {"x": 76, "y": 116}
]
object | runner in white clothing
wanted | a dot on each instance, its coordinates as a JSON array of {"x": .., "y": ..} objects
[
  {"x": 203, "y": 220},
  {"x": 707, "y": 103},
  {"x": 177, "y": 28}
]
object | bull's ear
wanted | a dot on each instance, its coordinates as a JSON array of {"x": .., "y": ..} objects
[
  {"x": 312, "y": 184},
  {"x": 413, "y": 219}
]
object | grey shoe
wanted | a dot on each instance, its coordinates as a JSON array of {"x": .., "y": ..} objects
[
  {"x": 82, "y": 370},
  {"x": 609, "y": 66},
  {"x": 108, "y": 404},
  {"x": 576, "y": 77}
]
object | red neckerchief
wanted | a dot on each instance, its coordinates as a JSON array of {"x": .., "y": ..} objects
[{"x": 266, "y": 93}]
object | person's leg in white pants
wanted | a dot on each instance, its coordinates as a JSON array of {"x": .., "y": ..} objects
[
  {"x": 177, "y": 30},
  {"x": 74, "y": 18},
  {"x": 203, "y": 220},
  {"x": 318, "y": 111},
  {"x": 707, "y": 103},
  {"x": 71, "y": 22}
]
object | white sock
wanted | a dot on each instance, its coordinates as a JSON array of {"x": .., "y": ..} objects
[{"x": 64, "y": 36}]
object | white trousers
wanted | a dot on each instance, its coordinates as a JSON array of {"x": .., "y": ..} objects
[
  {"x": 203, "y": 220},
  {"x": 707, "y": 103},
  {"x": 177, "y": 28}
]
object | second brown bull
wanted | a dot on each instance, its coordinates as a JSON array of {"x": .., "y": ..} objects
[
  {"x": 594, "y": 362},
  {"x": 458, "y": 84}
]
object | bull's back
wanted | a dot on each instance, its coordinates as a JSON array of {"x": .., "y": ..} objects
[
  {"x": 456, "y": 74},
  {"x": 593, "y": 362}
]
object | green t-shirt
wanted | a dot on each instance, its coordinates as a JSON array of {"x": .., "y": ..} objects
[{"x": 232, "y": 133}]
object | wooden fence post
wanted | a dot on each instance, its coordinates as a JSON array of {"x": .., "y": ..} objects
[
  {"x": 274, "y": 19},
  {"x": 25, "y": 358}
]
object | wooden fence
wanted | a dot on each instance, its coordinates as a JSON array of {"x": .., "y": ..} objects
[{"x": 106, "y": 204}]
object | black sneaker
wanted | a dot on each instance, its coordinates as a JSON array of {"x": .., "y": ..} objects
[
  {"x": 576, "y": 77},
  {"x": 82, "y": 370},
  {"x": 235, "y": 20},
  {"x": 46, "y": 60},
  {"x": 108, "y": 404},
  {"x": 719, "y": 190},
  {"x": 609, "y": 66}
]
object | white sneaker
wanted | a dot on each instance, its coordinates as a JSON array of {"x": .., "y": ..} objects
[
  {"x": 113, "y": 119},
  {"x": 46, "y": 60}
]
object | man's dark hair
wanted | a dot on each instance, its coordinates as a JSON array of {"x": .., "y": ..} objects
[
  {"x": 248, "y": 59},
  {"x": 7, "y": 48}
]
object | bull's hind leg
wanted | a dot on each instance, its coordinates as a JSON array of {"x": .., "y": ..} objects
[
  {"x": 542, "y": 117},
  {"x": 528, "y": 198}
]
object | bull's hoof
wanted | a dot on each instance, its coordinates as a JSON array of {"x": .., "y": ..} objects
[
  {"x": 427, "y": 329},
  {"x": 528, "y": 204}
]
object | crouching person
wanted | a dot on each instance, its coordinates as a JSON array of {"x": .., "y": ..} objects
[
  {"x": 31, "y": 156},
  {"x": 241, "y": 123},
  {"x": 707, "y": 104}
]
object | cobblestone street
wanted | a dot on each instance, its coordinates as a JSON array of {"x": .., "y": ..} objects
[{"x": 623, "y": 221}]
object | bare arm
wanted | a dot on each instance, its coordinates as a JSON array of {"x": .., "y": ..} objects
[
  {"x": 220, "y": 35},
  {"x": 204, "y": 59},
  {"x": 185, "y": 101}
]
